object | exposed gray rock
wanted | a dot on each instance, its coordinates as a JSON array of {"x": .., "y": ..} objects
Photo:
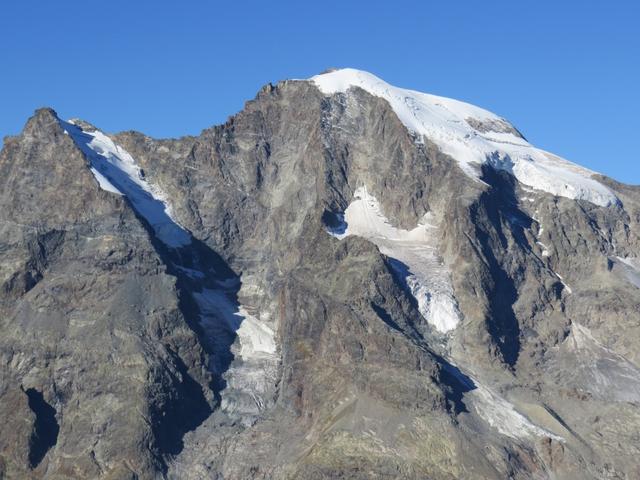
[
  {"x": 91, "y": 321},
  {"x": 125, "y": 357}
]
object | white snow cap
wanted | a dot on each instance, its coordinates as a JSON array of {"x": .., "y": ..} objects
[{"x": 473, "y": 136}]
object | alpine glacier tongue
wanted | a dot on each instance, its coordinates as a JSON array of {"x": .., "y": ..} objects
[{"x": 474, "y": 136}]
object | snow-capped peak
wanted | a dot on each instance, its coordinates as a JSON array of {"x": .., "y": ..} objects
[{"x": 474, "y": 136}]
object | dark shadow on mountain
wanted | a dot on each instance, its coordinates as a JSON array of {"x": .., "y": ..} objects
[
  {"x": 501, "y": 208},
  {"x": 185, "y": 264},
  {"x": 172, "y": 419},
  {"x": 45, "y": 429},
  {"x": 401, "y": 273},
  {"x": 457, "y": 384},
  {"x": 334, "y": 222},
  {"x": 385, "y": 317},
  {"x": 197, "y": 268}
]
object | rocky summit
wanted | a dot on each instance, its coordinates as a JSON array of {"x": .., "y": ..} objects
[{"x": 346, "y": 280}]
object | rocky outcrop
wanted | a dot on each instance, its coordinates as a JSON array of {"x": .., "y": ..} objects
[{"x": 266, "y": 345}]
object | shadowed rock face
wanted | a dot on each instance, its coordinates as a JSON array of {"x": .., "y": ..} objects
[
  {"x": 265, "y": 347},
  {"x": 45, "y": 429}
]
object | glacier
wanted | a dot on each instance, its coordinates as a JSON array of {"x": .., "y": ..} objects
[{"x": 474, "y": 136}]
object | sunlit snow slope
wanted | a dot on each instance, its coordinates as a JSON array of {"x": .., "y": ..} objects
[
  {"x": 473, "y": 136},
  {"x": 117, "y": 172}
]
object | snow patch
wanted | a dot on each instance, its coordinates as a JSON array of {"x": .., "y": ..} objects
[
  {"x": 563, "y": 282},
  {"x": 503, "y": 416},
  {"x": 633, "y": 263},
  {"x": 474, "y": 136},
  {"x": 414, "y": 256},
  {"x": 632, "y": 269},
  {"x": 545, "y": 249},
  {"x": 104, "y": 183},
  {"x": 255, "y": 338},
  {"x": 495, "y": 410}
]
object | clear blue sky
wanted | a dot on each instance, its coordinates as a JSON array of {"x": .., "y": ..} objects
[{"x": 566, "y": 73}]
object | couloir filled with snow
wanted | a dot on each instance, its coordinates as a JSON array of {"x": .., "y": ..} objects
[
  {"x": 228, "y": 326},
  {"x": 474, "y": 136},
  {"x": 117, "y": 172},
  {"x": 414, "y": 257}
]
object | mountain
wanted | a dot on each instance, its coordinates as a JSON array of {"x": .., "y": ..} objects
[{"x": 345, "y": 280}]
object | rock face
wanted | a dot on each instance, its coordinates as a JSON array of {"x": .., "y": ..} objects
[{"x": 318, "y": 288}]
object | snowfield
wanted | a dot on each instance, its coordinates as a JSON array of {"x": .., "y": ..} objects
[
  {"x": 474, "y": 136},
  {"x": 414, "y": 255}
]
